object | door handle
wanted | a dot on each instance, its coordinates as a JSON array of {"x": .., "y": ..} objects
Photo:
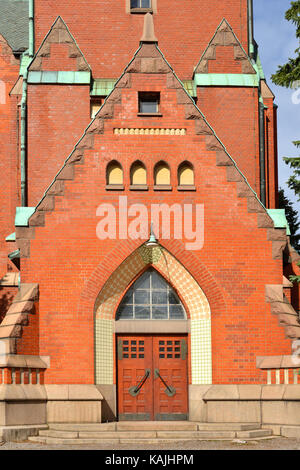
[
  {"x": 135, "y": 390},
  {"x": 170, "y": 391}
]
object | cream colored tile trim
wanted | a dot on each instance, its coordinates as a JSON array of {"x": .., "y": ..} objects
[{"x": 148, "y": 131}]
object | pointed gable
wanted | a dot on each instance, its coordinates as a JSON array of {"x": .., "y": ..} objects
[
  {"x": 225, "y": 54},
  {"x": 59, "y": 51},
  {"x": 148, "y": 60}
]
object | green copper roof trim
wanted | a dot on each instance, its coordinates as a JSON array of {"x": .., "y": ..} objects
[
  {"x": 22, "y": 216},
  {"x": 11, "y": 237},
  {"x": 31, "y": 28},
  {"x": 102, "y": 86},
  {"x": 192, "y": 101},
  {"x": 279, "y": 219},
  {"x": 25, "y": 61},
  {"x": 15, "y": 254},
  {"x": 68, "y": 78},
  {"x": 226, "y": 79},
  {"x": 260, "y": 68}
]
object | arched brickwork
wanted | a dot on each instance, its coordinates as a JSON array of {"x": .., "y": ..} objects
[
  {"x": 188, "y": 288},
  {"x": 125, "y": 248}
]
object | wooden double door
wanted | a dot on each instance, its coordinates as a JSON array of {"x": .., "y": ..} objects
[{"x": 152, "y": 377}]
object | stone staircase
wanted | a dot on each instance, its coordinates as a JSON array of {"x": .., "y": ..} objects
[{"x": 150, "y": 432}]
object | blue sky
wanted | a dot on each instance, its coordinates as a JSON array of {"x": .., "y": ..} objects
[{"x": 277, "y": 42}]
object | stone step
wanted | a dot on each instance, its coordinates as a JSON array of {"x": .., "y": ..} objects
[
  {"x": 133, "y": 442},
  {"x": 98, "y": 434},
  {"x": 101, "y": 441},
  {"x": 77, "y": 427},
  {"x": 253, "y": 434},
  {"x": 61, "y": 441},
  {"x": 156, "y": 426},
  {"x": 149, "y": 432},
  {"x": 153, "y": 426},
  {"x": 291, "y": 431},
  {"x": 195, "y": 435},
  {"x": 127, "y": 426},
  {"x": 228, "y": 426},
  {"x": 191, "y": 435}
]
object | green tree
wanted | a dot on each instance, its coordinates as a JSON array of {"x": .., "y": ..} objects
[
  {"x": 288, "y": 75},
  {"x": 292, "y": 218}
]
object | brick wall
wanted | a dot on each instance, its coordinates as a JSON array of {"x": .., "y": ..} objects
[
  {"x": 233, "y": 114},
  {"x": 100, "y": 27},
  {"x": 57, "y": 116},
  {"x": 65, "y": 254}
]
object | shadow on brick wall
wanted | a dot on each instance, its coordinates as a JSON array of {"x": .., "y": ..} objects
[{"x": 6, "y": 297}]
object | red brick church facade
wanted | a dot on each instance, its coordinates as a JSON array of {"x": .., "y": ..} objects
[{"x": 104, "y": 109}]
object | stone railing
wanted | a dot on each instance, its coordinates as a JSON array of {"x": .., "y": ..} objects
[
  {"x": 279, "y": 369},
  {"x": 22, "y": 370}
]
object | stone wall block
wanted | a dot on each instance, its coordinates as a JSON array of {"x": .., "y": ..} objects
[
  {"x": 202, "y": 128},
  {"x": 223, "y": 159},
  {"x": 135, "y": 66},
  {"x": 191, "y": 112},
  {"x": 57, "y": 188},
  {"x": 37, "y": 219},
  {"x": 182, "y": 97},
  {"x": 67, "y": 173},
  {"x": 277, "y": 249},
  {"x": 124, "y": 82}
]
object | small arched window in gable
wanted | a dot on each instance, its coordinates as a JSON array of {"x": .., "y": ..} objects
[
  {"x": 138, "y": 175},
  {"x": 186, "y": 177},
  {"x": 151, "y": 298},
  {"x": 114, "y": 174},
  {"x": 162, "y": 176}
]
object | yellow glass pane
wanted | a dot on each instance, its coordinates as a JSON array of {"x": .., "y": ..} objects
[
  {"x": 138, "y": 175},
  {"x": 186, "y": 175},
  {"x": 162, "y": 175},
  {"x": 115, "y": 174}
]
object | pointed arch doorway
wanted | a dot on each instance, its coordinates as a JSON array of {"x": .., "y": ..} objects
[
  {"x": 196, "y": 329},
  {"x": 152, "y": 369}
]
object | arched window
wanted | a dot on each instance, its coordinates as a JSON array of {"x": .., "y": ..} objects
[
  {"x": 162, "y": 175},
  {"x": 138, "y": 174},
  {"x": 186, "y": 174},
  {"x": 151, "y": 298},
  {"x": 114, "y": 173}
]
